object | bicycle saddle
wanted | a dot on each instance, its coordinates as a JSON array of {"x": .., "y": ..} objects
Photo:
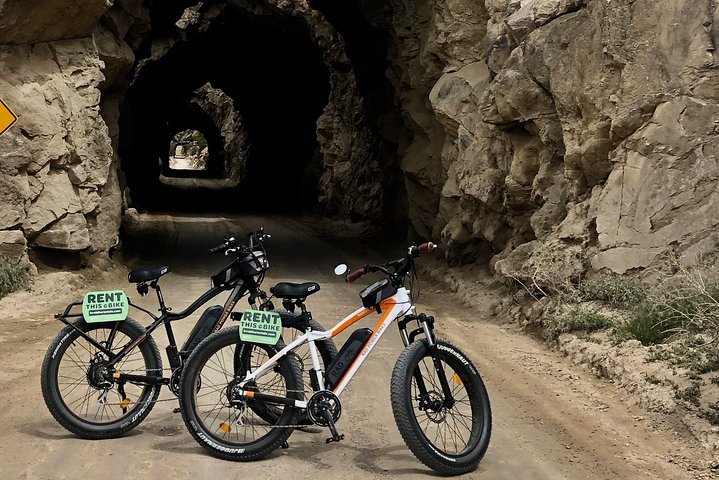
[
  {"x": 295, "y": 290},
  {"x": 144, "y": 274}
]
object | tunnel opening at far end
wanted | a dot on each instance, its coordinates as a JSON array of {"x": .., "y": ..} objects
[
  {"x": 188, "y": 151},
  {"x": 262, "y": 151}
]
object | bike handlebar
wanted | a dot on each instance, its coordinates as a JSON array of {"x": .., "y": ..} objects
[
  {"x": 253, "y": 238},
  {"x": 397, "y": 265},
  {"x": 221, "y": 247}
]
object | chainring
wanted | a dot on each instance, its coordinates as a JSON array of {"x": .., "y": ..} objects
[{"x": 321, "y": 401}]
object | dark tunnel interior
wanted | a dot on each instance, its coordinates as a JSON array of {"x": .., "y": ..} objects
[
  {"x": 278, "y": 79},
  {"x": 275, "y": 75}
]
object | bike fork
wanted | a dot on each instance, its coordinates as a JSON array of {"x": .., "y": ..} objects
[{"x": 426, "y": 323}]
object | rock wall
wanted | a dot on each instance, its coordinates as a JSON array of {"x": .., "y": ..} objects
[
  {"x": 56, "y": 161},
  {"x": 519, "y": 130},
  {"x": 59, "y": 185},
  {"x": 219, "y": 107},
  {"x": 581, "y": 127}
]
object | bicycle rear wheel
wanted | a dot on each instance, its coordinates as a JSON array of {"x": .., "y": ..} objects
[
  {"x": 449, "y": 436},
  {"x": 75, "y": 386},
  {"x": 248, "y": 359},
  {"x": 226, "y": 426}
]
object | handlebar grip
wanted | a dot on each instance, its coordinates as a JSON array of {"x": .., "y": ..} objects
[
  {"x": 352, "y": 276},
  {"x": 427, "y": 247},
  {"x": 218, "y": 248}
]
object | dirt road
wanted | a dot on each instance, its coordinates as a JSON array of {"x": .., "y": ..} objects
[{"x": 551, "y": 420}]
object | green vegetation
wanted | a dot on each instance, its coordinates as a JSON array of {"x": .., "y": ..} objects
[
  {"x": 684, "y": 304},
  {"x": 676, "y": 315},
  {"x": 711, "y": 413},
  {"x": 643, "y": 323},
  {"x": 690, "y": 394},
  {"x": 565, "y": 318},
  {"x": 615, "y": 290},
  {"x": 14, "y": 275}
]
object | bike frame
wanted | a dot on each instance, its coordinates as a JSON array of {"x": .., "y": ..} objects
[
  {"x": 389, "y": 309},
  {"x": 238, "y": 291}
]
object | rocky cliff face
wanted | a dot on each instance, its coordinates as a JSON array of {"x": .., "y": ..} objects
[
  {"x": 512, "y": 131},
  {"x": 584, "y": 128},
  {"x": 58, "y": 170}
]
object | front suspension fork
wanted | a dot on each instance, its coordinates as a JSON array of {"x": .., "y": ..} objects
[{"x": 426, "y": 326}]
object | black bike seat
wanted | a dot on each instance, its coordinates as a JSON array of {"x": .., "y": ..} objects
[
  {"x": 295, "y": 290},
  {"x": 144, "y": 274}
]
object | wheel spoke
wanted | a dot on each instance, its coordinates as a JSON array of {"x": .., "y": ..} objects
[
  {"x": 221, "y": 419},
  {"x": 449, "y": 430},
  {"x": 74, "y": 370}
]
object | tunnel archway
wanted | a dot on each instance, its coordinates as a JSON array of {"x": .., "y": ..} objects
[
  {"x": 278, "y": 82},
  {"x": 192, "y": 118},
  {"x": 188, "y": 151}
]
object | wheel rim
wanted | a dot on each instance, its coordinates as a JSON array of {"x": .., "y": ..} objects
[
  {"x": 238, "y": 424},
  {"x": 77, "y": 379},
  {"x": 454, "y": 429}
]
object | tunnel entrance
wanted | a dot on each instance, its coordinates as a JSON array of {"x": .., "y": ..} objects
[{"x": 275, "y": 77}]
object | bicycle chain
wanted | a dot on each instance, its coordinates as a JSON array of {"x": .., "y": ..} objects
[{"x": 177, "y": 399}]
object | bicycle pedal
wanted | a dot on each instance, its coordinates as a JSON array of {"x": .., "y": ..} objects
[
  {"x": 285, "y": 445},
  {"x": 335, "y": 438},
  {"x": 176, "y": 410}
]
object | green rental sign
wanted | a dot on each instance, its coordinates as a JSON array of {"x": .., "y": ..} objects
[
  {"x": 260, "y": 327},
  {"x": 105, "y": 306}
]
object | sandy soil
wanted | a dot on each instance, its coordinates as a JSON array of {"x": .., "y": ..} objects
[{"x": 552, "y": 420}]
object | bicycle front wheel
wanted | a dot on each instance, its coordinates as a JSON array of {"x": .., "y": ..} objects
[
  {"x": 229, "y": 427},
  {"x": 449, "y": 435}
]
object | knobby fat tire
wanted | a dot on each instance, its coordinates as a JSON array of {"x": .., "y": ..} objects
[
  {"x": 290, "y": 371},
  {"x": 408, "y": 425},
  {"x": 51, "y": 390}
]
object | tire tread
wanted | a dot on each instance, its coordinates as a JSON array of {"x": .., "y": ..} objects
[
  {"x": 57, "y": 411},
  {"x": 259, "y": 453},
  {"x": 403, "y": 414}
]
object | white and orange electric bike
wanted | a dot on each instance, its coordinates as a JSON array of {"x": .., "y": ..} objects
[{"x": 241, "y": 391}]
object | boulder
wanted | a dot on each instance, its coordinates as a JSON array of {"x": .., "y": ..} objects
[
  {"x": 12, "y": 244},
  {"x": 68, "y": 233},
  {"x": 15, "y": 154},
  {"x": 14, "y": 191},
  {"x": 58, "y": 198}
]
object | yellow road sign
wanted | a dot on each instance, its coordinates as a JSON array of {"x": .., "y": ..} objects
[{"x": 7, "y": 117}]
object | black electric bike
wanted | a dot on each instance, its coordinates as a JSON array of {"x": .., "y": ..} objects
[{"x": 100, "y": 380}]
